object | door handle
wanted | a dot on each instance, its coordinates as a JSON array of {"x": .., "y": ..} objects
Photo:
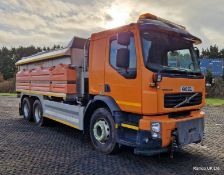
[{"x": 107, "y": 88}]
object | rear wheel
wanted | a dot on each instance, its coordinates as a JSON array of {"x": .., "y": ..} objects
[
  {"x": 102, "y": 131},
  {"x": 38, "y": 113},
  {"x": 27, "y": 108}
]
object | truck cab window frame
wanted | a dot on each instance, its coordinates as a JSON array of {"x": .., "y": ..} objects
[
  {"x": 131, "y": 71},
  {"x": 158, "y": 48}
]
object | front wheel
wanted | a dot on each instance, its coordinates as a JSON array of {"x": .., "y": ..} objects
[{"x": 102, "y": 131}]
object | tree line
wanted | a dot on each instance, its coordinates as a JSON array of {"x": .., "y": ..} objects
[
  {"x": 212, "y": 52},
  {"x": 8, "y": 58}
]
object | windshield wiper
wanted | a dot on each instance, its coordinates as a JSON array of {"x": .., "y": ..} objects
[
  {"x": 163, "y": 69},
  {"x": 172, "y": 69}
]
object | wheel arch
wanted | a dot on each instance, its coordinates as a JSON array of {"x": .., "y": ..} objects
[
  {"x": 33, "y": 97},
  {"x": 98, "y": 102},
  {"x": 22, "y": 97}
]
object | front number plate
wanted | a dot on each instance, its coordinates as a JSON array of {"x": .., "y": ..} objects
[{"x": 187, "y": 89}]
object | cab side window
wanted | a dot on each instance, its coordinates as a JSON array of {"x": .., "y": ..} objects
[{"x": 130, "y": 72}]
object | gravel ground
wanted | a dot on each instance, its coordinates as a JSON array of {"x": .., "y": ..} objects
[{"x": 58, "y": 149}]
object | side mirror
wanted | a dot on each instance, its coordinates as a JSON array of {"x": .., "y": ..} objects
[
  {"x": 197, "y": 52},
  {"x": 124, "y": 38},
  {"x": 122, "y": 58}
]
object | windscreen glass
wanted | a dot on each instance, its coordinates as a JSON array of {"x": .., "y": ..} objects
[{"x": 166, "y": 52}]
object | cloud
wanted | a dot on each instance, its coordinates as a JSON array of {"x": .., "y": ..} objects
[
  {"x": 22, "y": 21},
  {"x": 32, "y": 22},
  {"x": 108, "y": 17},
  {"x": 47, "y": 22}
]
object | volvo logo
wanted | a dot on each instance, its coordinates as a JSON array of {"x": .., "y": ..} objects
[{"x": 186, "y": 101}]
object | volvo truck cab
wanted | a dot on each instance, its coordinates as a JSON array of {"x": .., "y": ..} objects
[{"x": 150, "y": 69}]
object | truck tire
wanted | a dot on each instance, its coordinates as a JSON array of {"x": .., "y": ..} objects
[
  {"x": 102, "y": 131},
  {"x": 38, "y": 113},
  {"x": 27, "y": 110}
]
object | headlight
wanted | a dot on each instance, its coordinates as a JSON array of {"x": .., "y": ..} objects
[
  {"x": 156, "y": 127},
  {"x": 155, "y": 130}
]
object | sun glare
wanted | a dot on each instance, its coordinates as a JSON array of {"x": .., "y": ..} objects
[{"x": 119, "y": 16}]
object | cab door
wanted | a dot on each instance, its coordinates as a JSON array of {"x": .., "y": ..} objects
[{"x": 122, "y": 76}]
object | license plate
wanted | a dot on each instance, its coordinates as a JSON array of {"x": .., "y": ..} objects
[{"x": 187, "y": 89}]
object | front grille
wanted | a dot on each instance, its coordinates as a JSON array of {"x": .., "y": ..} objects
[{"x": 171, "y": 100}]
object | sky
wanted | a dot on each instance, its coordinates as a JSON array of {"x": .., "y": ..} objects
[{"x": 49, "y": 22}]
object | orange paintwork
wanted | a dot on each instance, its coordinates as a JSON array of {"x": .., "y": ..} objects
[
  {"x": 167, "y": 124},
  {"x": 96, "y": 65},
  {"x": 45, "y": 87},
  {"x": 22, "y": 86},
  {"x": 53, "y": 79},
  {"x": 126, "y": 92},
  {"x": 147, "y": 16},
  {"x": 64, "y": 88},
  {"x": 23, "y": 80},
  {"x": 153, "y": 97},
  {"x": 171, "y": 83},
  {"x": 63, "y": 72},
  {"x": 23, "y": 75},
  {"x": 40, "y": 74}
]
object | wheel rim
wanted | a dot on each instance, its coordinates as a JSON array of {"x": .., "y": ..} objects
[
  {"x": 101, "y": 131},
  {"x": 26, "y": 110},
  {"x": 37, "y": 114}
]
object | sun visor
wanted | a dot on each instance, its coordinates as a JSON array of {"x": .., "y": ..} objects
[
  {"x": 151, "y": 22},
  {"x": 159, "y": 26}
]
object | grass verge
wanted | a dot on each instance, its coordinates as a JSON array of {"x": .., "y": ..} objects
[
  {"x": 7, "y": 94},
  {"x": 215, "y": 101}
]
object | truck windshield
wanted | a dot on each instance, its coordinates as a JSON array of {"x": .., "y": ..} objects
[{"x": 163, "y": 52}]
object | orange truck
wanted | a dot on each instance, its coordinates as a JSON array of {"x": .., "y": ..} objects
[{"x": 138, "y": 85}]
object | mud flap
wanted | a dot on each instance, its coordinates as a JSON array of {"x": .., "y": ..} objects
[
  {"x": 190, "y": 131},
  {"x": 20, "y": 109}
]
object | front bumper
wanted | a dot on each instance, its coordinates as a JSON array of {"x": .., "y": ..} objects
[
  {"x": 178, "y": 123},
  {"x": 182, "y": 130}
]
